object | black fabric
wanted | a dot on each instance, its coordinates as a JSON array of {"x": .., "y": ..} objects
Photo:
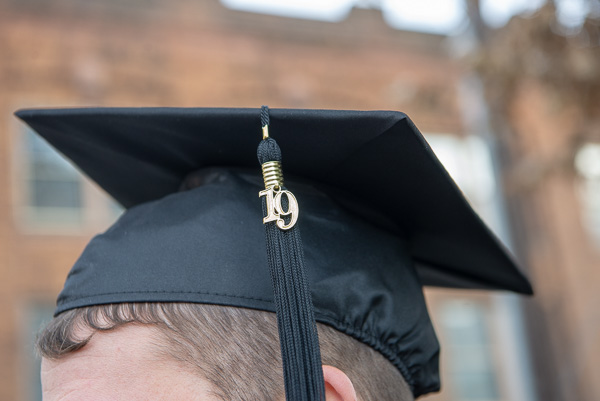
[
  {"x": 363, "y": 282},
  {"x": 298, "y": 336},
  {"x": 377, "y": 158},
  {"x": 380, "y": 217}
]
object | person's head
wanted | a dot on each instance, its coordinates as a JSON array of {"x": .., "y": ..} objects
[
  {"x": 380, "y": 218},
  {"x": 185, "y": 351}
]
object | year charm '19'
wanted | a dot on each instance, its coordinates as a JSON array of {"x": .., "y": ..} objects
[{"x": 275, "y": 208}]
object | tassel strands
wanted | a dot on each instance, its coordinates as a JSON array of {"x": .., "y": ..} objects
[{"x": 302, "y": 369}]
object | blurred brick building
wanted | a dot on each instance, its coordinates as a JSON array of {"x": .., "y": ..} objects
[
  {"x": 199, "y": 53},
  {"x": 543, "y": 87}
]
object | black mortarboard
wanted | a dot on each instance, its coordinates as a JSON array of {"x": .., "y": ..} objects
[{"x": 379, "y": 216}]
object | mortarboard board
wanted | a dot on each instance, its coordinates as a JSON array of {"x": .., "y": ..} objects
[{"x": 380, "y": 217}]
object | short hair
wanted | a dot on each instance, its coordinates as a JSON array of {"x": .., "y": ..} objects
[{"x": 225, "y": 345}]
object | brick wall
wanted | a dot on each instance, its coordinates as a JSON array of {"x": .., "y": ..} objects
[{"x": 189, "y": 53}]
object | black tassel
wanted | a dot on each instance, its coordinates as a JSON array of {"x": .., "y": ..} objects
[{"x": 302, "y": 369}]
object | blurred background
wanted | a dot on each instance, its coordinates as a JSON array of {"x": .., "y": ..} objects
[{"x": 506, "y": 92}]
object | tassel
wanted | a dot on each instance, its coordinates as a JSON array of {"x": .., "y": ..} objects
[{"x": 302, "y": 368}]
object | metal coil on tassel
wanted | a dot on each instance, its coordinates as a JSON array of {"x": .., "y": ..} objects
[{"x": 272, "y": 174}]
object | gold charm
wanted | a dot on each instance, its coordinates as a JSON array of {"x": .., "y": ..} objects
[{"x": 275, "y": 208}]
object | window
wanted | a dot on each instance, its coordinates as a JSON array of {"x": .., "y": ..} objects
[
  {"x": 484, "y": 352},
  {"x": 52, "y": 187},
  {"x": 52, "y": 196},
  {"x": 469, "y": 367},
  {"x": 469, "y": 162},
  {"x": 587, "y": 163}
]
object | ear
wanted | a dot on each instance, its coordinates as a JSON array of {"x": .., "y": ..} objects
[{"x": 338, "y": 386}]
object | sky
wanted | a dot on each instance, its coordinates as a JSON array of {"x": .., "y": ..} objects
[{"x": 435, "y": 16}]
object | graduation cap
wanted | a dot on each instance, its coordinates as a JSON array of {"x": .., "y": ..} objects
[{"x": 380, "y": 217}]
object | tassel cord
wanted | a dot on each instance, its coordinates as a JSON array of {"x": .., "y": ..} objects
[
  {"x": 297, "y": 330},
  {"x": 302, "y": 369}
]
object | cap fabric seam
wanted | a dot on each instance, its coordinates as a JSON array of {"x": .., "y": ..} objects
[
  {"x": 365, "y": 336},
  {"x": 71, "y": 299},
  {"x": 360, "y": 334}
]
